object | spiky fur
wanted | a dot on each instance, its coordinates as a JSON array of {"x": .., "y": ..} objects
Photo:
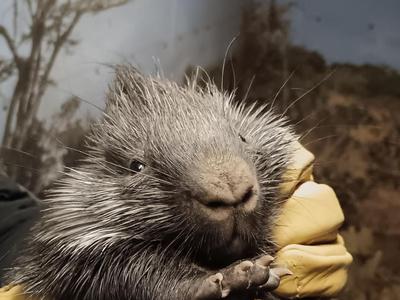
[{"x": 109, "y": 234}]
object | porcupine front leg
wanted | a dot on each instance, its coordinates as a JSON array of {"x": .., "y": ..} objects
[
  {"x": 240, "y": 280},
  {"x": 145, "y": 275},
  {"x": 159, "y": 276},
  {"x": 182, "y": 280}
]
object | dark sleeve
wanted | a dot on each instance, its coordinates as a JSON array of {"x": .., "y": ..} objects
[{"x": 18, "y": 210}]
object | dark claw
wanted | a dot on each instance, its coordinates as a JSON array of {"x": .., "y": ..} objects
[
  {"x": 265, "y": 260},
  {"x": 281, "y": 271},
  {"x": 274, "y": 279}
]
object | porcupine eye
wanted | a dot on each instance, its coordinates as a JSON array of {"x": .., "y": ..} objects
[
  {"x": 136, "y": 166},
  {"x": 242, "y": 138}
]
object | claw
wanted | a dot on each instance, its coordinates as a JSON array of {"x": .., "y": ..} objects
[
  {"x": 243, "y": 277},
  {"x": 272, "y": 283},
  {"x": 211, "y": 288},
  {"x": 259, "y": 275},
  {"x": 281, "y": 271},
  {"x": 274, "y": 279},
  {"x": 265, "y": 260},
  {"x": 245, "y": 266},
  {"x": 225, "y": 292},
  {"x": 216, "y": 278}
]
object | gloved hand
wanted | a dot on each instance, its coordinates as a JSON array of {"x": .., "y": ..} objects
[
  {"x": 307, "y": 234},
  {"x": 13, "y": 293}
]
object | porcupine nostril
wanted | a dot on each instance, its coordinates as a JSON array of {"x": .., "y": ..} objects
[{"x": 248, "y": 195}]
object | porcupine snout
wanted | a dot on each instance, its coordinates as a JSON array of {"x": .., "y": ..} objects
[{"x": 227, "y": 186}]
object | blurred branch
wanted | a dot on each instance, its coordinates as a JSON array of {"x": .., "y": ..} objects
[
  {"x": 57, "y": 46},
  {"x": 15, "y": 18},
  {"x": 11, "y": 44},
  {"x": 96, "y": 5},
  {"x": 6, "y": 69},
  {"x": 49, "y": 28},
  {"x": 30, "y": 8}
]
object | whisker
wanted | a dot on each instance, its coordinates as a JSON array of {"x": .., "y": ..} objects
[
  {"x": 224, "y": 61},
  {"x": 320, "y": 139},
  {"x": 81, "y": 99},
  {"x": 304, "y": 135},
  {"x": 307, "y": 92},
  {"x": 281, "y": 88},
  {"x": 305, "y": 118},
  {"x": 18, "y": 151},
  {"x": 37, "y": 171},
  {"x": 233, "y": 71},
  {"x": 248, "y": 89}
]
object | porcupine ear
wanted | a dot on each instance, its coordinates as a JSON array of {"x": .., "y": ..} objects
[{"x": 129, "y": 87}]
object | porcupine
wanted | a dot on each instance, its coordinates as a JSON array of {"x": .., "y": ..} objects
[{"x": 176, "y": 199}]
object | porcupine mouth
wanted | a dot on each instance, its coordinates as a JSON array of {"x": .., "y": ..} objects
[
  {"x": 236, "y": 245},
  {"x": 232, "y": 250},
  {"x": 227, "y": 246}
]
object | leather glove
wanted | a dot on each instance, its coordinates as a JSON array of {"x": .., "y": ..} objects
[
  {"x": 307, "y": 234},
  {"x": 12, "y": 293}
]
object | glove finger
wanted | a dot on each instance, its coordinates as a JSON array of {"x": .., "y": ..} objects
[{"x": 318, "y": 270}]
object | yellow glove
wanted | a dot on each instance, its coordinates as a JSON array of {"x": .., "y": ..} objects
[
  {"x": 307, "y": 234},
  {"x": 12, "y": 293}
]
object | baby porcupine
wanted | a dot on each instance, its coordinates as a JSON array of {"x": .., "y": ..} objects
[{"x": 175, "y": 200}]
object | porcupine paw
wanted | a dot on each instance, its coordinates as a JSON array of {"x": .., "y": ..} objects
[{"x": 244, "y": 275}]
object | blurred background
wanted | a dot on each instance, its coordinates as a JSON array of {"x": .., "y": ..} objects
[{"x": 333, "y": 68}]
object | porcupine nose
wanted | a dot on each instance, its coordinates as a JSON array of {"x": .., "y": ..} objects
[{"x": 229, "y": 184}]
